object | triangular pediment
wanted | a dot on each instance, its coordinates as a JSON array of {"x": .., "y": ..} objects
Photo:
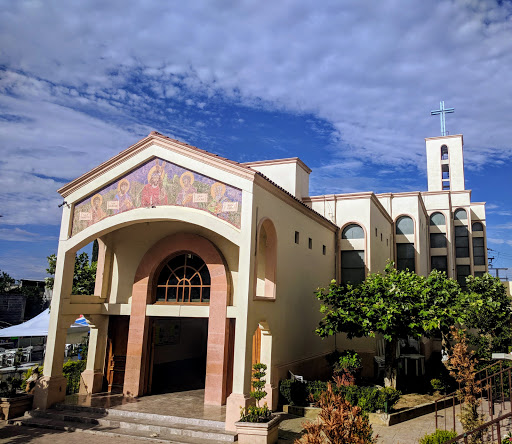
[
  {"x": 156, "y": 182},
  {"x": 155, "y": 138}
]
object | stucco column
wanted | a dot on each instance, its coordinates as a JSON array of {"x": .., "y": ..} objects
[
  {"x": 239, "y": 397},
  {"x": 92, "y": 376},
  {"x": 51, "y": 388}
]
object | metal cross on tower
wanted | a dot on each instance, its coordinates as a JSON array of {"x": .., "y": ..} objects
[{"x": 442, "y": 111}]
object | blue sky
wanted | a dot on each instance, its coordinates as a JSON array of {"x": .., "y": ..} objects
[{"x": 347, "y": 86}]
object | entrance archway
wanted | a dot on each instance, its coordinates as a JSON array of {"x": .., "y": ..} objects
[{"x": 144, "y": 292}]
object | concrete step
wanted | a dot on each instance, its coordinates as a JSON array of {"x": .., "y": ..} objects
[
  {"x": 51, "y": 422},
  {"x": 161, "y": 425},
  {"x": 162, "y": 419}
]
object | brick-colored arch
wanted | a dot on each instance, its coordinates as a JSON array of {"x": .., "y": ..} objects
[{"x": 137, "y": 370}]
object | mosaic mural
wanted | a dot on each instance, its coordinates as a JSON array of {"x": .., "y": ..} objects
[{"x": 155, "y": 183}]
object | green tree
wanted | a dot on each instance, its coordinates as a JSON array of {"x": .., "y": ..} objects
[
  {"x": 84, "y": 276},
  {"x": 488, "y": 309},
  {"x": 6, "y": 282},
  {"x": 392, "y": 304}
]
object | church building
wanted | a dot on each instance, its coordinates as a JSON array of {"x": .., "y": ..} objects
[{"x": 207, "y": 265}]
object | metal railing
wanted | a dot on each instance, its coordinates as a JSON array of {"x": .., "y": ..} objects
[
  {"x": 483, "y": 428},
  {"x": 494, "y": 399}
]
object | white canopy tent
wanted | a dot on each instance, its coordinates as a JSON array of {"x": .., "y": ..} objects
[{"x": 38, "y": 326}]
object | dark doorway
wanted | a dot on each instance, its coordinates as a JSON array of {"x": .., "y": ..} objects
[
  {"x": 178, "y": 354},
  {"x": 115, "y": 357}
]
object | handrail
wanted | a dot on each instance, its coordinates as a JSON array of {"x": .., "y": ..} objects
[{"x": 482, "y": 427}]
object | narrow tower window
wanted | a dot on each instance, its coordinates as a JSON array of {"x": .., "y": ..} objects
[{"x": 444, "y": 152}]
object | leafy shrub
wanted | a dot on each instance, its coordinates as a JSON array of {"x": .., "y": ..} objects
[
  {"x": 369, "y": 399},
  {"x": 338, "y": 421},
  {"x": 294, "y": 392},
  {"x": 439, "y": 437},
  {"x": 437, "y": 385},
  {"x": 255, "y": 413},
  {"x": 72, "y": 370}
]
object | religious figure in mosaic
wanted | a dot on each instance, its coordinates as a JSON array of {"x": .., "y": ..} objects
[
  {"x": 154, "y": 193},
  {"x": 122, "y": 196},
  {"x": 186, "y": 194},
  {"x": 217, "y": 192},
  {"x": 97, "y": 212}
]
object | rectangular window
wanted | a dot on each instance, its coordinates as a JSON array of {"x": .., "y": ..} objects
[
  {"x": 462, "y": 273},
  {"x": 324, "y": 250},
  {"x": 446, "y": 185},
  {"x": 439, "y": 263},
  {"x": 310, "y": 243},
  {"x": 478, "y": 251},
  {"x": 461, "y": 241},
  {"x": 352, "y": 267},
  {"x": 405, "y": 257},
  {"x": 375, "y": 232},
  {"x": 296, "y": 237},
  {"x": 437, "y": 240},
  {"x": 446, "y": 172},
  {"x": 479, "y": 273}
]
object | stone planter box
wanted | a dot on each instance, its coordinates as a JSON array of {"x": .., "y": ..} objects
[
  {"x": 258, "y": 432},
  {"x": 383, "y": 419},
  {"x": 14, "y": 407}
]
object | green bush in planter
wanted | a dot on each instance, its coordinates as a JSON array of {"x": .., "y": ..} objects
[
  {"x": 72, "y": 370},
  {"x": 294, "y": 392},
  {"x": 439, "y": 437}
]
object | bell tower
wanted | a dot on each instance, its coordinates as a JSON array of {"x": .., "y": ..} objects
[{"x": 445, "y": 163}]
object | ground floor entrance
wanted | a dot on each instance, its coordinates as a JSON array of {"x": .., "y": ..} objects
[{"x": 178, "y": 354}]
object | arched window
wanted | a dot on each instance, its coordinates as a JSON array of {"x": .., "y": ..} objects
[
  {"x": 437, "y": 219},
  {"x": 184, "y": 279},
  {"x": 444, "y": 152},
  {"x": 404, "y": 225},
  {"x": 477, "y": 226},
  {"x": 266, "y": 261},
  {"x": 460, "y": 214},
  {"x": 352, "y": 231}
]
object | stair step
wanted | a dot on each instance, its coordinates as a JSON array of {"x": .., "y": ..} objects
[
  {"x": 167, "y": 429},
  {"x": 54, "y": 424},
  {"x": 129, "y": 415}
]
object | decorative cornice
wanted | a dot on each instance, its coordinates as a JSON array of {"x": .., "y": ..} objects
[
  {"x": 279, "y": 162},
  {"x": 155, "y": 138},
  {"x": 286, "y": 197}
]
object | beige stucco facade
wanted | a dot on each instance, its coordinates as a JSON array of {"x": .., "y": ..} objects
[{"x": 266, "y": 244}]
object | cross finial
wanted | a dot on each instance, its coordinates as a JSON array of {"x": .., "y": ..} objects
[{"x": 442, "y": 111}]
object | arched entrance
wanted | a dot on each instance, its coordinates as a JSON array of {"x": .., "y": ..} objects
[
  {"x": 153, "y": 285},
  {"x": 179, "y": 344}
]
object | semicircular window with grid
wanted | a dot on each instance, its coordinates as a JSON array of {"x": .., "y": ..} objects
[{"x": 184, "y": 279}]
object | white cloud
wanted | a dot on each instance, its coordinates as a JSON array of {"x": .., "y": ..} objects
[
  {"x": 103, "y": 75},
  {"x": 19, "y": 235}
]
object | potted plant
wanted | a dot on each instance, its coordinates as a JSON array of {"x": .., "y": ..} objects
[
  {"x": 257, "y": 424},
  {"x": 13, "y": 402},
  {"x": 346, "y": 365}
]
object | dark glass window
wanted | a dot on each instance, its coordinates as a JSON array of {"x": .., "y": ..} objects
[
  {"x": 460, "y": 214},
  {"x": 404, "y": 225},
  {"x": 461, "y": 242},
  {"x": 446, "y": 172},
  {"x": 437, "y": 240},
  {"x": 462, "y": 273},
  {"x": 477, "y": 226},
  {"x": 437, "y": 219},
  {"x": 444, "y": 152},
  {"x": 352, "y": 267},
  {"x": 479, "y": 273},
  {"x": 184, "y": 279},
  {"x": 296, "y": 237},
  {"x": 352, "y": 231},
  {"x": 324, "y": 250},
  {"x": 478, "y": 251},
  {"x": 405, "y": 255},
  {"x": 310, "y": 243},
  {"x": 439, "y": 263}
]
